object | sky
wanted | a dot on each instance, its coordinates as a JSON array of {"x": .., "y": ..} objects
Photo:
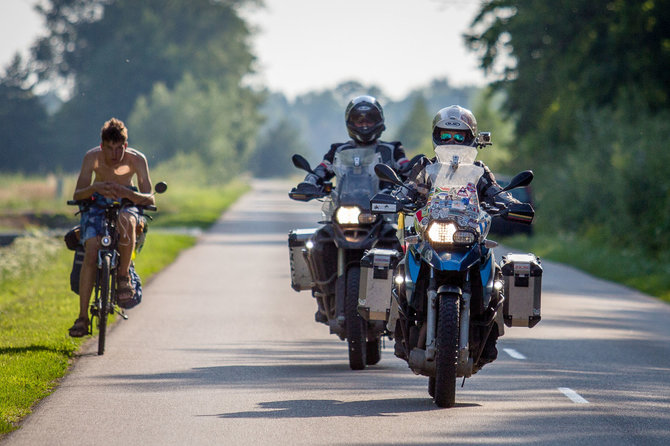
[{"x": 306, "y": 45}]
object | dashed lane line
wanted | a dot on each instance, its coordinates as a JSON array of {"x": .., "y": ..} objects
[
  {"x": 513, "y": 353},
  {"x": 574, "y": 396}
]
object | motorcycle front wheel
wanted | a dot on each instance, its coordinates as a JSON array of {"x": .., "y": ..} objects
[
  {"x": 447, "y": 349},
  {"x": 356, "y": 325}
]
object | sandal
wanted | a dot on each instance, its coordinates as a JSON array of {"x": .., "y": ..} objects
[
  {"x": 80, "y": 328},
  {"x": 124, "y": 290}
]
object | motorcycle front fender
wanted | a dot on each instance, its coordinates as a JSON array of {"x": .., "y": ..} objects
[{"x": 448, "y": 260}]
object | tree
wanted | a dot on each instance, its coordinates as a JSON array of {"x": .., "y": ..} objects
[
  {"x": 114, "y": 51},
  {"x": 416, "y": 132},
  {"x": 579, "y": 53},
  {"x": 22, "y": 122},
  {"x": 587, "y": 84},
  {"x": 272, "y": 157},
  {"x": 216, "y": 124}
]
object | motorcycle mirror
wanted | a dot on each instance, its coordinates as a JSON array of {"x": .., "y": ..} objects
[
  {"x": 385, "y": 173},
  {"x": 521, "y": 179},
  {"x": 160, "y": 187},
  {"x": 301, "y": 163}
]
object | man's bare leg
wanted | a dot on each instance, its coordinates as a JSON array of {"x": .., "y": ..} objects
[
  {"x": 127, "y": 225},
  {"x": 87, "y": 275}
]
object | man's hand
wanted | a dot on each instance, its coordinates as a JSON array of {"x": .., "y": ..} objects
[{"x": 111, "y": 190}]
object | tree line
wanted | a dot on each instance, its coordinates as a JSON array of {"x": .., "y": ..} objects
[
  {"x": 172, "y": 71},
  {"x": 586, "y": 85},
  {"x": 582, "y": 99}
]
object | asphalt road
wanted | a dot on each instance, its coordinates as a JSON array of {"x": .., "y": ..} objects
[{"x": 223, "y": 351}]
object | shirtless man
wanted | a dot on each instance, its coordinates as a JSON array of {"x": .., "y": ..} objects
[{"x": 107, "y": 173}]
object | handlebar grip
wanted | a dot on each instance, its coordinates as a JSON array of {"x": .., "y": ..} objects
[{"x": 150, "y": 207}]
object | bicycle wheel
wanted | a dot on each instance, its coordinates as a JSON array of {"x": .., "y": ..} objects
[{"x": 103, "y": 309}]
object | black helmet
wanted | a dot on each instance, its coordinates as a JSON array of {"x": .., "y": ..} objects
[
  {"x": 454, "y": 118},
  {"x": 365, "y": 119}
]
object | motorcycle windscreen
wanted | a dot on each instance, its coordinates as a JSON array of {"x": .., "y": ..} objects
[
  {"x": 453, "y": 195},
  {"x": 356, "y": 181}
]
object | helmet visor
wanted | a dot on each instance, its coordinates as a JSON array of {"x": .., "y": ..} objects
[
  {"x": 364, "y": 117},
  {"x": 450, "y": 136}
]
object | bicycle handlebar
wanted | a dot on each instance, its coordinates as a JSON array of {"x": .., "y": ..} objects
[{"x": 146, "y": 207}]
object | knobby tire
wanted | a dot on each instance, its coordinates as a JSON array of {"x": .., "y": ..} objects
[
  {"x": 447, "y": 349},
  {"x": 373, "y": 352},
  {"x": 356, "y": 325}
]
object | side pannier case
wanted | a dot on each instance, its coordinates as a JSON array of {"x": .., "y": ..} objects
[
  {"x": 301, "y": 278},
  {"x": 374, "y": 295},
  {"x": 522, "y": 278}
]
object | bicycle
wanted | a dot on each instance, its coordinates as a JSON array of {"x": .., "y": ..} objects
[{"x": 105, "y": 302}]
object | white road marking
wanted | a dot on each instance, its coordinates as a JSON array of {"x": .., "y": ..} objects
[
  {"x": 513, "y": 353},
  {"x": 574, "y": 396}
]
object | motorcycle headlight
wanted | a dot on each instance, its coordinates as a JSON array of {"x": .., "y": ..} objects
[
  {"x": 448, "y": 233},
  {"x": 348, "y": 215}
]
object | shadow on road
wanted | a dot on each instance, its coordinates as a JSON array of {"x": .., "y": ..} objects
[{"x": 320, "y": 408}]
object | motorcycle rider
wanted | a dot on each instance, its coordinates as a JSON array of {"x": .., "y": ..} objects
[
  {"x": 364, "y": 118},
  {"x": 457, "y": 126}
]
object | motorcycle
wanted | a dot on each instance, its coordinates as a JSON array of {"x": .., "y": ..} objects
[
  {"x": 449, "y": 294},
  {"x": 327, "y": 261}
]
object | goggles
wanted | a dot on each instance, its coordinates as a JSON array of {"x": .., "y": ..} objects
[{"x": 448, "y": 136}]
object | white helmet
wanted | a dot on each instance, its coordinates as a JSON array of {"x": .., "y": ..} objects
[{"x": 455, "y": 118}]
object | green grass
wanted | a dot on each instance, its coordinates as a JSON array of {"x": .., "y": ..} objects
[
  {"x": 628, "y": 267},
  {"x": 37, "y": 306},
  {"x": 35, "y": 312},
  {"x": 179, "y": 208}
]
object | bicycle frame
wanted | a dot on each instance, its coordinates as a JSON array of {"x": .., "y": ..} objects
[{"x": 104, "y": 302}]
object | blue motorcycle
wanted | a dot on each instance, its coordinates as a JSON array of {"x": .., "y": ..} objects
[{"x": 447, "y": 299}]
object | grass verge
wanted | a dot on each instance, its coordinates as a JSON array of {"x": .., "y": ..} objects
[
  {"x": 179, "y": 208},
  {"x": 37, "y": 306},
  {"x": 35, "y": 312},
  {"x": 628, "y": 267}
]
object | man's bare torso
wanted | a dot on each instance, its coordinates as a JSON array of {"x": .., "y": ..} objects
[{"x": 121, "y": 173}]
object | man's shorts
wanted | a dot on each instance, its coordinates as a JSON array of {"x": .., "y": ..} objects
[{"x": 93, "y": 219}]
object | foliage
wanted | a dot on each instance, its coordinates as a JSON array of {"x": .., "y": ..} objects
[
  {"x": 37, "y": 309},
  {"x": 438, "y": 94},
  {"x": 491, "y": 118},
  {"x": 108, "y": 53},
  {"x": 275, "y": 147},
  {"x": 613, "y": 181},
  {"x": 193, "y": 205},
  {"x": 35, "y": 194},
  {"x": 581, "y": 52},
  {"x": 631, "y": 267},
  {"x": 216, "y": 124},
  {"x": 27, "y": 255},
  {"x": 587, "y": 86},
  {"x": 319, "y": 115},
  {"x": 22, "y": 119},
  {"x": 415, "y": 133}
]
